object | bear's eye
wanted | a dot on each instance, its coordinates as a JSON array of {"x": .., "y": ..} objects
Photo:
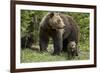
[{"x": 58, "y": 20}]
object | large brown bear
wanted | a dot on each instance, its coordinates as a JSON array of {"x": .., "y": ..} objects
[{"x": 61, "y": 28}]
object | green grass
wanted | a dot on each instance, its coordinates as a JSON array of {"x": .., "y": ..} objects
[
  {"x": 29, "y": 55},
  {"x": 33, "y": 55}
]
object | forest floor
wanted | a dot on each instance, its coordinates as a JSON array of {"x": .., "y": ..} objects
[{"x": 34, "y": 55}]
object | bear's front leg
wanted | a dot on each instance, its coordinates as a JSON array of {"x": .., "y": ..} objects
[
  {"x": 43, "y": 41},
  {"x": 57, "y": 43}
]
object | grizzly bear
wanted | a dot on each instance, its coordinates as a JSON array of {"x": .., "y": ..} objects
[
  {"x": 61, "y": 28},
  {"x": 72, "y": 50}
]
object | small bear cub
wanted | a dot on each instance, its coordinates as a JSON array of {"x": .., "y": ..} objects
[{"x": 72, "y": 50}]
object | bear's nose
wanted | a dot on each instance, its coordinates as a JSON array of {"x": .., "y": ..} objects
[
  {"x": 61, "y": 27},
  {"x": 64, "y": 26}
]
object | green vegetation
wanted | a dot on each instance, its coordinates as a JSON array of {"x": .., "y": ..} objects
[
  {"x": 29, "y": 55},
  {"x": 33, "y": 55},
  {"x": 30, "y": 20}
]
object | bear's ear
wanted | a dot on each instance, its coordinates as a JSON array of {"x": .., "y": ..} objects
[{"x": 51, "y": 14}]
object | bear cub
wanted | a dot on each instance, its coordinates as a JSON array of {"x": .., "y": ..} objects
[{"x": 72, "y": 50}]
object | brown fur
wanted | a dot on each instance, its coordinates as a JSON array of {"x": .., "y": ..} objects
[{"x": 61, "y": 28}]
